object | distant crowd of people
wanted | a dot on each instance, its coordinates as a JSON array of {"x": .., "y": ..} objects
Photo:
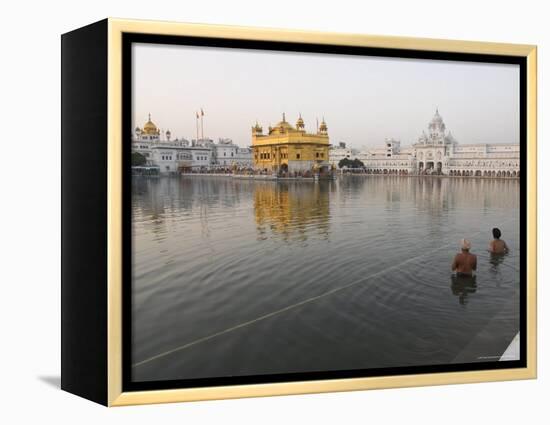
[{"x": 465, "y": 263}]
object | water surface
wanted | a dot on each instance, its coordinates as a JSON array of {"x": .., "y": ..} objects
[{"x": 237, "y": 277}]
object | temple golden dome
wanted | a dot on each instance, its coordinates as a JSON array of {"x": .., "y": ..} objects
[
  {"x": 284, "y": 125},
  {"x": 149, "y": 127}
]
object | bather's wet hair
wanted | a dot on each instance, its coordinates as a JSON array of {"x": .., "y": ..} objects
[{"x": 496, "y": 233}]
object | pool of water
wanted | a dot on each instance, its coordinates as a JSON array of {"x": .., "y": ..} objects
[{"x": 236, "y": 277}]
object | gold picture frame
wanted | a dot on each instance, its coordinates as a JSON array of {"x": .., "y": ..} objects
[{"x": 116, "y": 28}]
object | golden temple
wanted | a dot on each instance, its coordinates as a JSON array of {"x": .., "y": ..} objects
[{"x": 290, "y": 149}]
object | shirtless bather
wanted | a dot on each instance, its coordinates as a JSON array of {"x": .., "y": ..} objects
[
  {"x": 464, "y": 263},
  {"x": 497, "y": 245}
]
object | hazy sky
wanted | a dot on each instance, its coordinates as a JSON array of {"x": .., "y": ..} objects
[{"x": 363, "y": 99}]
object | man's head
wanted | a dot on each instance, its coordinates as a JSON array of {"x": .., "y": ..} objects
[
  {"x": 496, "y": 233},
  {"x": 465, "y": 245}
]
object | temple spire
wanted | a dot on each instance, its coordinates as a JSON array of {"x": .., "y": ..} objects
[{"x": 300, "y": 122}]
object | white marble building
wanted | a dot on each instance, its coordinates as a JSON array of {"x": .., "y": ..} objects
[
  {"x": 391, "y": 158},
  {"x": 340, "y": 152},
  {"x": 437, "y": 152},
  {"x": 243, "y": 158},
  {"x": 180, "y": 155},
  {"x": 225, "y": 153}
]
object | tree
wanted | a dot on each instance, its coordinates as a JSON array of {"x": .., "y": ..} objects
[
  {"x": 350, "y": 163},
  {"x": 356, "y": 163},
  {"x": 138, "y": 159},
  {"x": 344, "y": 163}
]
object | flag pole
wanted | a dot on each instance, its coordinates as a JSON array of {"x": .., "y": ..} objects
[
  {"x": 197, "y": 123},
  {"x": 202, "y": 126}
]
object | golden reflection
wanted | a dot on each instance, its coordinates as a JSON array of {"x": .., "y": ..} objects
[{"x": 293, "y": 209}]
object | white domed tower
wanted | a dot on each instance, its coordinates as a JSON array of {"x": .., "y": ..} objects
[
  {"x": 432, "y": 150},
  {"x": 436, "y": 128}
]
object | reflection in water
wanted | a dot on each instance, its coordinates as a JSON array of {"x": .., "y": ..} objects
[
  {"x": 370, "y": 255},
  {"x": 462, "y": 286},
  {"x": 296, "y": 208},
  {"x": 496, "y": 260}
]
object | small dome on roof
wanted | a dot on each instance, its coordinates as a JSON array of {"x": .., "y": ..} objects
[
  {"x": 257, "y": 128},
  {"x": 284, "y": 124},
  {"x": 300, "y": 122},
  {"x": 323, "y": 126}
]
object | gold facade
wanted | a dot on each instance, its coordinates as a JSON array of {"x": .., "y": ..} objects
[{"x": 286, "y": 148}]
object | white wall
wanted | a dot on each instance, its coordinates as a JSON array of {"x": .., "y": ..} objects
[{"x": 30, "y": 301}]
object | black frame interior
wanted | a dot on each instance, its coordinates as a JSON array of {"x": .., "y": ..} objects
[{"x": 130, "y": 38}]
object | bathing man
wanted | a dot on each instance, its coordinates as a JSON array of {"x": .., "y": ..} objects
[
  {"x": 497, "y": 245},
  {"x": 464, "y": 263}
]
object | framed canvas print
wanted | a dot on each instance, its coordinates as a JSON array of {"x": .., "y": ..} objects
[{"x": 252, "y": 212}]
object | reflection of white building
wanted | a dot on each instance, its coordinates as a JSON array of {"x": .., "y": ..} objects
[
  {"x": 180, "y": 155},
  {"x": 437, "y": 152}
]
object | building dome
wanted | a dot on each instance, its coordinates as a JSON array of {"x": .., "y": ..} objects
[
  {"x": 284, "y": 125},
  {"x": 436, "y": 124},
  {"x": 450, "y": 138},
  {"x": 149, "y": 127},
  {"x": 436, "y": 120},
  {"x": 300, "y": 123},
  {"x": 323, "y": 127}
]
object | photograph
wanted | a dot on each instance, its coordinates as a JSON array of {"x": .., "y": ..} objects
[
  {"x": 296, "y": 214},
  {"x": 317, "y": 215}
]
